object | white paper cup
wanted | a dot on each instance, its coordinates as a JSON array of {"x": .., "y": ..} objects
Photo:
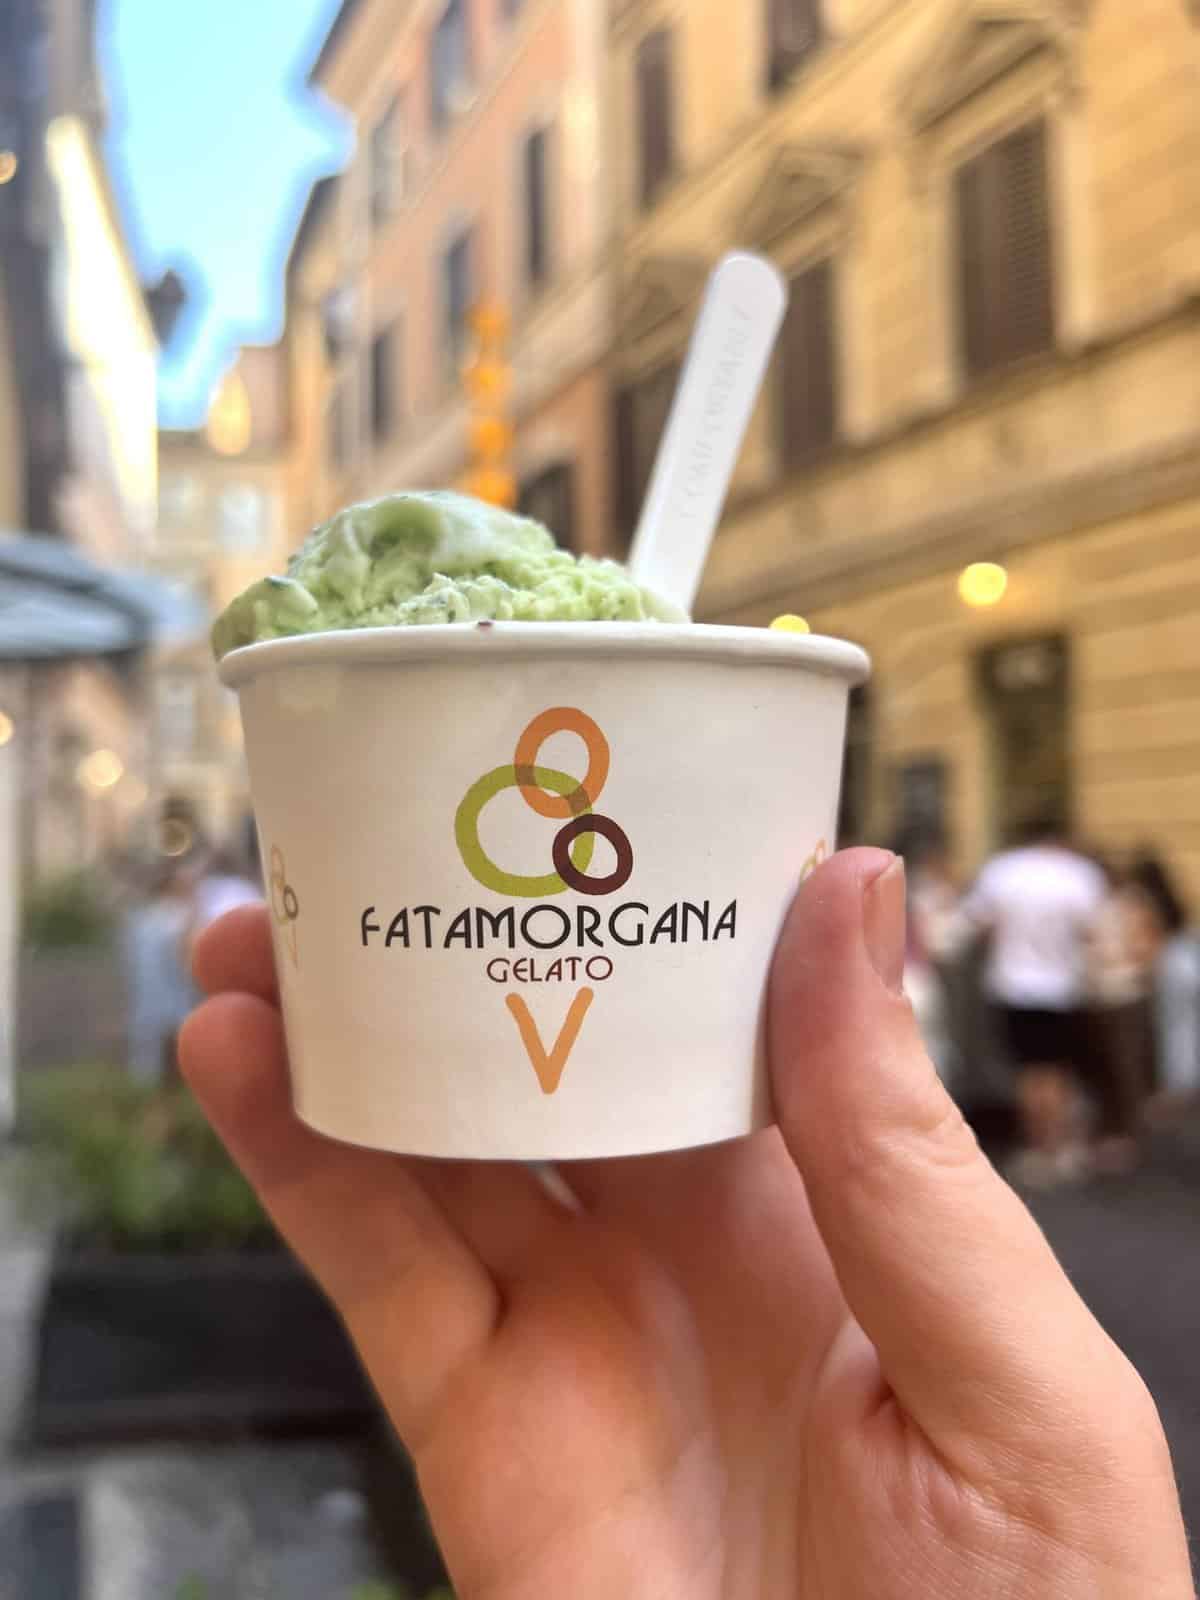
[{"x": 526, "y": 878}]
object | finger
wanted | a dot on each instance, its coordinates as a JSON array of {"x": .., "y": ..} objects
[
  {"x": 235, "y": 955},
  {"x": 728, "y": 1198},
  {"x": 951, "y": 1279},
  {"x": 505, "y": 1213},
  {"x": 418, "y": 1303}
]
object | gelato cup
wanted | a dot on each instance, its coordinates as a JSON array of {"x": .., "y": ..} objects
[{"x": 526, "y": 878}]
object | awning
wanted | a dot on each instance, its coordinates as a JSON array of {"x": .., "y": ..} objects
[{"x": 56, "y": 604}]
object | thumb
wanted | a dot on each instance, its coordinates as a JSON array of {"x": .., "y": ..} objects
[{"x": 975, "y": 1323}]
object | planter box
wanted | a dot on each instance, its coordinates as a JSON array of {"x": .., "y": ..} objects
[{"x": 163, "y": 1347}]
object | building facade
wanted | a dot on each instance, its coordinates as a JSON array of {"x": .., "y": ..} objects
[
  {"x": 478, "y": 178},
  {"x": 223, "y": 523},
  {"x": 77, "y": 416},
  {"x": 989, "y": 216}
]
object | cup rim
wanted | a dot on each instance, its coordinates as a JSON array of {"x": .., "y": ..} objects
[{"x": 478, "y": 641}]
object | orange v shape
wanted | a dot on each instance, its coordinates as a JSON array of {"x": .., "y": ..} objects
[{"x": 549, "y": 1067}]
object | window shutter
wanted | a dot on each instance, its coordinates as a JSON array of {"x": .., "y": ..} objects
[
  {"x": 794, "y": 31},
  {"x": 625, "y": 498},
  {"x": 808, "y": 374},
  {"x": 1006, "y": 287},
  {"x": 338, "y": 428},
  {"x": 537, "y": 254},
  {"x": 550, "y": 499},
  {"x": 1027, "y": 227},
  {"x": 642, "y": 410},
  {"x": 450, "y": 63},
  {"x": 382, "y": 384},
  {"x": 972, "y": 187},
  {"x": 458, "y": 272},
  {"x": 656, "y": 116}
]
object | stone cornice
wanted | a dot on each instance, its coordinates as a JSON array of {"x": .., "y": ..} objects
[
  {"x": 662, "y": 289},
  {"x": 988, "y": 529},
  {"x": 801, "y": 180},
  {"x": 984, "y": 42}
]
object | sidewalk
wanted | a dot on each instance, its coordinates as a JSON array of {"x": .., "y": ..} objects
[{"x": 252, "y": 1521}]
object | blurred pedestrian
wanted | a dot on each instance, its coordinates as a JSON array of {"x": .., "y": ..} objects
[
  {"x": 161, "y": 992},
  {"x": 1173, "y": 949},
  {"x": 1036, "y": 903},
  {"x": 225, "y": 883},
  {"x": 1120, "y": 1034}
]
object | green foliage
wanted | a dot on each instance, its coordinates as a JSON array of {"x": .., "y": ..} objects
[
  {"x": 136, "y": 1168},
  {"x": 67, "y": 912},
  {"x": 192, "y": 1589}
]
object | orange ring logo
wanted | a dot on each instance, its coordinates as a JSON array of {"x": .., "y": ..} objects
[
  {"x": 285, "y": 905},
  {"x": 551, "y": 794}
]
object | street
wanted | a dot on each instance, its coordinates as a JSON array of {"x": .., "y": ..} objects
[{"x": 1131, "y": 1248}]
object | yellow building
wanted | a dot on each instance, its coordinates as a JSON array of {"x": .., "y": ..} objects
[
  {"x": 990, "y": 217},
  {"x": 477, "y": 178},
  {"x": 222, "y": 523}
]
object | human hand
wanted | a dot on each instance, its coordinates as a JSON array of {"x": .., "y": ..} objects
[{"x": 714, "y": 1378}]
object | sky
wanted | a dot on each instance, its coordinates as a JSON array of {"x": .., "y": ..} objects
[{"x": 213, "y": 144}]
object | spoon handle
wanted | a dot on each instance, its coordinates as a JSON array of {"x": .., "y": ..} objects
[{"x": 735, "y": 333}]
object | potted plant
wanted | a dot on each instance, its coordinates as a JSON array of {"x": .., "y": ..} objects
[{"x": 170, "y": 1308}]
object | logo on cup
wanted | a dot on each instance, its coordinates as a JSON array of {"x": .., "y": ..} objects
[
  {"x": 556, "y": 795},
  {"x": 285, "y": 905},
  {"x": 567, "y": 800}
]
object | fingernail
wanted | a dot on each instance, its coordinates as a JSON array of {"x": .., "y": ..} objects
[{"x": 885, "y": 915}]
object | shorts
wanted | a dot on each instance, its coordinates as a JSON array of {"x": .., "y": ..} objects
[{"x": 1040, "y": 1037}]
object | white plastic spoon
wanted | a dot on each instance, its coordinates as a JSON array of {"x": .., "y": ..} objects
[{"x": 726, "y": 360}]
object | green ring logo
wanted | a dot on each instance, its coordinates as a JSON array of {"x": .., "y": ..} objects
[{"x": 551, "y": 794}]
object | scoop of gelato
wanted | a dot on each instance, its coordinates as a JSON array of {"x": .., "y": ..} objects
[{"x": 412, "y": 559}]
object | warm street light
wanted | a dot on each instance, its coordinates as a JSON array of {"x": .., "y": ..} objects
[
  {"x": 8, "y": 165},
  {"x": 982, "y": 584},
  {"x": 101, "y": 770},
  {"x": 7, "y": 728}
]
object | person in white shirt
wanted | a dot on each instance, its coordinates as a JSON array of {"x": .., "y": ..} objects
[
  {"x": 223, "y": 886},
  {"x": 1038, "y": 903}
]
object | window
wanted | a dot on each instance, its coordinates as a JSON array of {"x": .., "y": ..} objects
[
  {"x": 808, "y": 399},
  {"x": 458, "y": 291},
  {"x": 655, "y": 114},
  {"x": 641, "y": 415},
  {"x": 386, "y": 402},
  {"x": 243, "y": 519},
  {"x": 337, "y": 422},
  {"x": 537, "y": 225},
  {"x": 794, "y": 32},
  {"x": 450, "y": 67},
  {"x": 550, "y": 499},
  {"x": 1006, "y": 288},
  {"x": 388, "y": 175},
  {"x": 338, "y": 310},
  {"x": 1026, "y": 690}
]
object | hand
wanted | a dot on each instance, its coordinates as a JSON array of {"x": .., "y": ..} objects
[{"x": 836, "y": 1362}]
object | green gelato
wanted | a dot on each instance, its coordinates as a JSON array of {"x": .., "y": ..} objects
[{"x": 411, "y": 559}]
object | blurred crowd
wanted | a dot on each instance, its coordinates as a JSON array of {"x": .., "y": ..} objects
[
  {"x": 175, "y": 903},
  {"x": 1074, "y": 977},
  {"x": 1078, "y": 974}
]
